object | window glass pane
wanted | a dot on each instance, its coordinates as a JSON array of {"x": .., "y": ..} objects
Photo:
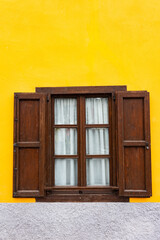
[
  {"x": 65, "y": 172},
  {"x": 97, "y": 111},
  {"x": 97, "y": 141},
  {"x": 65, "y": 141},
  {"x": 97, "y": 171},
  {"x": 65, "y": 111}
]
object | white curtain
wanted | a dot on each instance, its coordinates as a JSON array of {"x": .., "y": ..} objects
[
  {"x": 65, "y": 112},
  {"x": 97, "y": 171},
  {"x": 65, "y": 172},
  {"x": 97, "y": 111},
  {"x": 65, "y": 141},
  {"x": 97, "y": 141}
]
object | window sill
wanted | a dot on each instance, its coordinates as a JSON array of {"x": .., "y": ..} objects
[
  {"x": 83, "y": 198},
  {"x": 81, "y": 194}
]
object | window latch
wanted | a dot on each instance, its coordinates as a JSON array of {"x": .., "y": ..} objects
[{"x": 147, "y": 145}]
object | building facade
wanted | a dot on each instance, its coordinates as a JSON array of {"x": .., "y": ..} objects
[{"x": 77, "y": 43}]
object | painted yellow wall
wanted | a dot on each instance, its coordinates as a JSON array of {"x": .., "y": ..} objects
[{"x": 77, "y": 43}]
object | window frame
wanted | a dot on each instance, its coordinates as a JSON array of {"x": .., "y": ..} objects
[
  {"x": 81, "y": 139},
  {"x": 81, "y": 193}
]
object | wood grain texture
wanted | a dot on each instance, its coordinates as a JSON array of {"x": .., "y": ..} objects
[
  {"x": 112, "y": 197},
  {"x": 80, "y": 93},
  {"x": 134, "y": 168},
  {"x": 129, "y": 125},
  {"x": 29, "y": 145},
  {"x": 80, "y": 90},
  {"x": 28, "y": 120},
  {"x": 28, "y": 169},
  {"x": 133, "y": 118},
  {"x": 133, "y": 142}
]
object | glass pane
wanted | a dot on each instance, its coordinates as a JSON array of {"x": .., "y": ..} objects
[
  {"x": 97, "y": 111},
  {"x": 65, "y": 111},
  {"x": 65, "y": 172},
  {"x": 65, "y": 141},
  {"x": 97, "y": 171},
  {"x": 97, "y": 141}
]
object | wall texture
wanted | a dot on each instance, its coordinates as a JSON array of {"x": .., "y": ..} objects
[
  {"x": 45, "y": 43},
  {"x": 76, "y": 221}
]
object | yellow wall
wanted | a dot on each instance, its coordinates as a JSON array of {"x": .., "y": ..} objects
[{"x": 77, "y": 43}]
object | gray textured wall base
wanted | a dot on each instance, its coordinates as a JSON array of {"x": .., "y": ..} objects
[{"x": 80, "y": 221}]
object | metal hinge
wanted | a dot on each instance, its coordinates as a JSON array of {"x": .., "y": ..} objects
[
  {"x": 14, "y": 194},
  {"x": 16, "y": 119},
  {"x": 114, "y": 97},
  {"x": 47, "y": 98}
]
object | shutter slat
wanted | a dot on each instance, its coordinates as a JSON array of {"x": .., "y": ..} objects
[
  {"x": 133, "y": 144},
  {"x": 29, "y": 144}
]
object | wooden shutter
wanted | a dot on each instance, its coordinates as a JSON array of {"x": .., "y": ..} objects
[
  {"x": 29, "y": 145},
  {"x": 133, "y": 143}
]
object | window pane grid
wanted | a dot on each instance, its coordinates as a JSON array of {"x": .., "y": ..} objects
[
  {"x": 97, "y": 135},
  {"x": 81, "y": 127},
  {"x": 65, "y": 131}
]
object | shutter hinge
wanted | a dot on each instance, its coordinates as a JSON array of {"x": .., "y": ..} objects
[
  {"x": 114, "y": 97},
  {"x": 48, "y": 191},
  {"x": 14, "y": 194},
  {"x": 47, "y": 98},
  {"x": 15, "y": 169},
  {"x": 15, "y": 145},
  {"x": 16, "y": 119}
]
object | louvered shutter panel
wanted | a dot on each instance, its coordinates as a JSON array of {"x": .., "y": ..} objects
[
  {"x": 29, "y": 145},
  {"x": 133, "y": 144}
]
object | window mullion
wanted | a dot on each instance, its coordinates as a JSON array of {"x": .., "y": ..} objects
[
  {"x": 52, "y": 165},
  {"x": 82, "y": 141},
  {"x": 111, "y": 129}
]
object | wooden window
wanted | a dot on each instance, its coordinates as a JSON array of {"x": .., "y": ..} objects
[{"x": 82, "y": 144}]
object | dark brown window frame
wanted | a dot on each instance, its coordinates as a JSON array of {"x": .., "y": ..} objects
[
  {"x": 129, "y": 137},
  {"x": 81, "y": 192}
]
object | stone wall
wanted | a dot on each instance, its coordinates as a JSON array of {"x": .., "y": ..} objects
[{"x": 74, "y": 221}]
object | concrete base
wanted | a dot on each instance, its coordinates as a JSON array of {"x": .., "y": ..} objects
[{"x": 74, "y": 221}]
